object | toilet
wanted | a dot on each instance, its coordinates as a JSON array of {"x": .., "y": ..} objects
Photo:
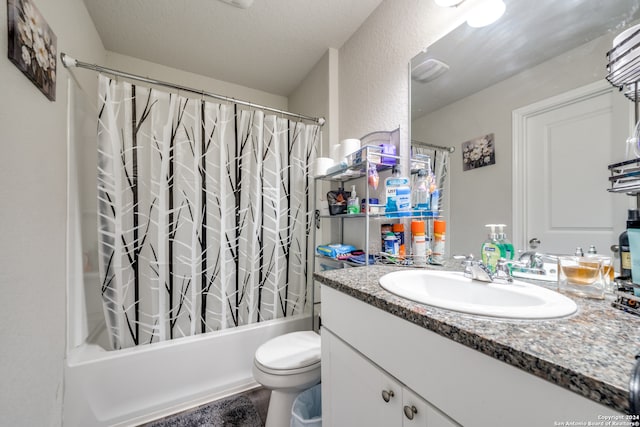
[{"x": 287, "y": 365}]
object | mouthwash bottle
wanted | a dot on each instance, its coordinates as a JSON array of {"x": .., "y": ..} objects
[
  {"x": 398, "y": 194},
  {"x": 506, "y": 244},
  {"x": 491, "y": 250}
]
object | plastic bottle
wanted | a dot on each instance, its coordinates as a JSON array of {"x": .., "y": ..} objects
[
  {"x": 435, "y": 202},
  {"x": 633, "y": 216},
  {"x": 391, "y": 245},
  {"x": 492, "y": 250},
  {"x": 421, "y": 193},
  {"x": 439, "y": 229},
  {"x": 506, "y": 244},
  {"x": 353, "y": 203},
  {"x": 384, "y": 230},
  {"x": 397, "y": 194},
  {"x": 418, "y": 243},
  {"x": 398, "y": 230}
]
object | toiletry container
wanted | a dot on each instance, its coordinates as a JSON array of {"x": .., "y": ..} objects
[
  {"x": 421, "y": 194},
  {"x": 398, "y": 230},
  {"x": 633, "y": 216},
  {"x": 435, "y": 202},
  {"x": 439, "y": 229},
  {"x": 353, "y": 203},
  {"x": 491, "y": 250},
  {"x": 397, "y": 194},
  {"x": 507, "y": 246},
  {"x": 633, "y": 233},
  {"x": 418, "y": 243},
  {"x": 384, "y": 230},
  {"x": 391, "y": 245}
]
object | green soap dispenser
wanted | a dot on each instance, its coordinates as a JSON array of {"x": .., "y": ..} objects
[
  {"x": 506, "y": 244},
  {"x": 492, "y": 250}
]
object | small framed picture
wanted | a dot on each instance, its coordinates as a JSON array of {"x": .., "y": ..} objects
[
  {"x": 478, "y": 152},
  {"x": 32, "y": 45}
]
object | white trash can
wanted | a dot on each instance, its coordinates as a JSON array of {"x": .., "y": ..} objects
[{"x": 307, "y": 408}]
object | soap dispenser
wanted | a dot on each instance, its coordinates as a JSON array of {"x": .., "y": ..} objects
[
  {"x": 353, "y": 203},
  {"x": 506, "y": 244},
  {"x": 491, "y": 250}
]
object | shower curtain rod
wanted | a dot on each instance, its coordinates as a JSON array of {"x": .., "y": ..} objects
[
  {"x": 439, "y": 147},
  {"x": 68, "y": 62}
]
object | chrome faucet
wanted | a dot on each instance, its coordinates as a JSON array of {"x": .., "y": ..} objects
[
  {"x": 533, "y": 260},
  {"x": 476, "y": 270}
]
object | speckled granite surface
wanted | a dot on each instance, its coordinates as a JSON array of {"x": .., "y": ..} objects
[{"x": 591, "y": 352}]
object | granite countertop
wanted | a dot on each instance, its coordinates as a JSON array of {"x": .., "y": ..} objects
[{"x": 591, "y": 352}]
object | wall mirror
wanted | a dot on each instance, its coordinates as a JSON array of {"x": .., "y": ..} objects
[{"x": 529, "y": 71}]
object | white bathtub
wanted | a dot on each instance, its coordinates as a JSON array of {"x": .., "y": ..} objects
[{"x": 135, "y": 385}]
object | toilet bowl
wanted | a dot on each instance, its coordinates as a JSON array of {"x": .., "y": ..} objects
[{"x": 287, "y": 365}]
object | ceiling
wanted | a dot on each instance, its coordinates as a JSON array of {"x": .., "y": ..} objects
[
  {"x": 271, "y": 46},
  {"x": 528, "y": 34}
]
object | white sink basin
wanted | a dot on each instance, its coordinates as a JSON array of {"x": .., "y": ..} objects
[{"x": 453, "y": 291}]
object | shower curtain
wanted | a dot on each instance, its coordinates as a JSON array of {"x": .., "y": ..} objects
[{"x": 204, "y": 214}]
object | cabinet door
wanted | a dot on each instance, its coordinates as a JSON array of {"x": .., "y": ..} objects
[{"x": 357, "y": 388}]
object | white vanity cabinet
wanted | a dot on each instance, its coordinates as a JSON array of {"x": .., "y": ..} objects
[
  {"x": 366, "y": 350},
  {"x": 362, "y": 394}
]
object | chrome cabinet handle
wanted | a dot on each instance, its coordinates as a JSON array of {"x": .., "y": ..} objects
[
  {"x": 410, "y": 411},
  {"x": 387, "y": 395}
]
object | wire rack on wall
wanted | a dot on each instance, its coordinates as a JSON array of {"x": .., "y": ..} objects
[
  {"x": 623, "y": 65},
  {"x": 625, "y": 177},
  {"x": 623, "y": 72}
]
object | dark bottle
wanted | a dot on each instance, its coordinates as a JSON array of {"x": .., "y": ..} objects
[
  {"x": 625, "y": 256},
  {"x": 633, "y": 219}
]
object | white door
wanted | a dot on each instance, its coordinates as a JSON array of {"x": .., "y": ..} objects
[{"x": 562, "y": 147}]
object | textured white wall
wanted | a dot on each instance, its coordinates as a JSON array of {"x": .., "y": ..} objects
[
  {"x": 195, "y": 81},
  {"x": 33, "y": 222},
  {"x": 487, "y": 192},
  {"x": 317, "y": 96},
  {"x": 374, "y": 63}
]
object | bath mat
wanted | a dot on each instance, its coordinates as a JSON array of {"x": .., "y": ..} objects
[{"x": 235, "y": 411}]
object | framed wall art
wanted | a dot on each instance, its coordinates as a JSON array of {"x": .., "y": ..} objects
[
  {"x": 32, "y": 45},
  {"x": 478, "y": 152}
]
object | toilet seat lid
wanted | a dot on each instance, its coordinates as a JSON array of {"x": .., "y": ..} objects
[{"x": 290, "y": 351}]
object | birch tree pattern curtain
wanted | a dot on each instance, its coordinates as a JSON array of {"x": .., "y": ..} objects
[{"x": 204, "y": 214}]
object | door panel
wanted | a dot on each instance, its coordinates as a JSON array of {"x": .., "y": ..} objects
[{"x": 568, "y": 144}]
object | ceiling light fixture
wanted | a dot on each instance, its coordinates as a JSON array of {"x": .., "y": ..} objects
[
  {"x": 428, "y": 70},
  {"x": 242, "y": 4},
  {"x": 486, "y": 13},
  {"x": 448, "y": 3}
]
